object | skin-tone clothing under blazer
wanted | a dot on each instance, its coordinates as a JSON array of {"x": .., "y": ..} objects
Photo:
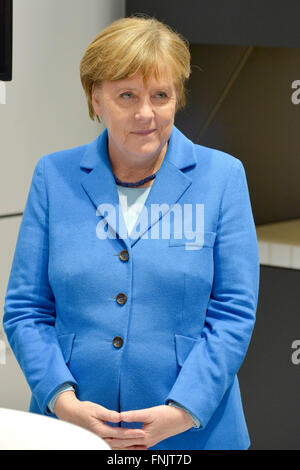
[{"x": 133, "y": 322}]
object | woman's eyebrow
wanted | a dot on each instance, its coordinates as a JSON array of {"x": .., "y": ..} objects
[
  {"x": 126, "y": 88},
  {"x": 158, "y": 87}
]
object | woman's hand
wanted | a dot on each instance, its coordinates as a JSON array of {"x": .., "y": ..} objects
[
  {"x": 93, "y": 417},
  {"x": 160, "y": 422}
]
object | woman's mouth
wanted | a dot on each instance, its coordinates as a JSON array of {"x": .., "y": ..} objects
[{"x": 144, "y": 132}]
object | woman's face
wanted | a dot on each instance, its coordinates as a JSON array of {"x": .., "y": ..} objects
[{"x": 139, "y": 118}]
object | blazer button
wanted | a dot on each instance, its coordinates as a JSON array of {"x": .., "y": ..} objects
[
  {"x": 118, "y": 342},
  {"x": 121, "y": 299},
  {"x": 124, "y": 255}
]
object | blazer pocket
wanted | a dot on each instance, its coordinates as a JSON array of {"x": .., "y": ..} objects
[
  {"x": 184, "y": 345},
  {"x": 193, "y": 240},
  {"x": 66, "y": 344}
]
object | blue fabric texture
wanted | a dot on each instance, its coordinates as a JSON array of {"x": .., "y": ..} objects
[{"x": 188, "y": 316}]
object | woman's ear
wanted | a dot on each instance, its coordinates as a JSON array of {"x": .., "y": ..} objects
[{"x": 96, "y": 99}]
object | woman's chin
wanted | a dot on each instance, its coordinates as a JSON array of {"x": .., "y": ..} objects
[{"x": 146, "y": 149}]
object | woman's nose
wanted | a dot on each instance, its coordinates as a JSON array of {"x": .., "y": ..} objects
[{"x": 144, "y": 110}]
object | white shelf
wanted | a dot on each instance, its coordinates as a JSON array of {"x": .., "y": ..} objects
[{"x": 279, "y": 244}]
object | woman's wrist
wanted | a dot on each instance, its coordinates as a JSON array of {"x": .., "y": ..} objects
[
  {"x": 196, "y": 422},
  {"x": 184, "y": 416},
  {"x": 64, "y": 403}
]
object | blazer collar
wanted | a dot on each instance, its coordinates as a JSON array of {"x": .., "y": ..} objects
[{"x": 169, "y": 185}]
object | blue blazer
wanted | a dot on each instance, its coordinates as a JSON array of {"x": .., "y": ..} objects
[{"x": 182, "y": 329}]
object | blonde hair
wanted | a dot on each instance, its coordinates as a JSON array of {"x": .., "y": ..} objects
[{"x": 135, "y": 44}]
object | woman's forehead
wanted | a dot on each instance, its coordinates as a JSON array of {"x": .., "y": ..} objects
[{"x": 137, "y": 80}]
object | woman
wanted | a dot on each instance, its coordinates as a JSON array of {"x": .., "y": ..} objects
[{"x": 109, "y": 328}]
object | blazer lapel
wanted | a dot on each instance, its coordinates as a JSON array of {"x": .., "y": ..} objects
[{"x": 169, "y": 185}]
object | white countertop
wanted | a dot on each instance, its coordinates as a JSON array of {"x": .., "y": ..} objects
[
  {"x": 22, "y": 430},
  {"x": 279, "y": 244}
]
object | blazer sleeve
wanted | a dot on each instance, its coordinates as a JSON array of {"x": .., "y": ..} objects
[
  {"x": 29, "y": 308},
  {"x": 215, "y": 359}
]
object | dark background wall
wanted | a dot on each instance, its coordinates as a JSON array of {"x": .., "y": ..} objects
[
  {"x": 240, "y": 102},
  {"x": 242, "y": 22},
  {"x": 245, "y": 57},
  {"x": 270, "y": 375}
]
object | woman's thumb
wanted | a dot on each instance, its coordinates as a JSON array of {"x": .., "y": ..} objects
[{"x": 109, "y": 415}]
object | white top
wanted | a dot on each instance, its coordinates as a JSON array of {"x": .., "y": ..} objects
[{"x": 132, "y": 201}]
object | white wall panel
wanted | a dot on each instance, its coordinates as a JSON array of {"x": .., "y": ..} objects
[{"x": 45, "y": 106}]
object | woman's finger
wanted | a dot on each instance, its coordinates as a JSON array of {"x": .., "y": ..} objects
[
  {"x": 131, "y": 448},
  {"x": 121, "y": 433},
  {"x": 136, "y": 448},
  {"x": 123, "y": 443}
]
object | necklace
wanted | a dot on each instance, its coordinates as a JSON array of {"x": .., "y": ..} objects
[{"x": 138, "y": 183}]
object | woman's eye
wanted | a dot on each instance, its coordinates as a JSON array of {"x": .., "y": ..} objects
[{"x": 126, "y": 95}]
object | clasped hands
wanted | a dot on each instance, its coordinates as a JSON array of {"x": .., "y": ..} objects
[{"x": 159, "y": 422}]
